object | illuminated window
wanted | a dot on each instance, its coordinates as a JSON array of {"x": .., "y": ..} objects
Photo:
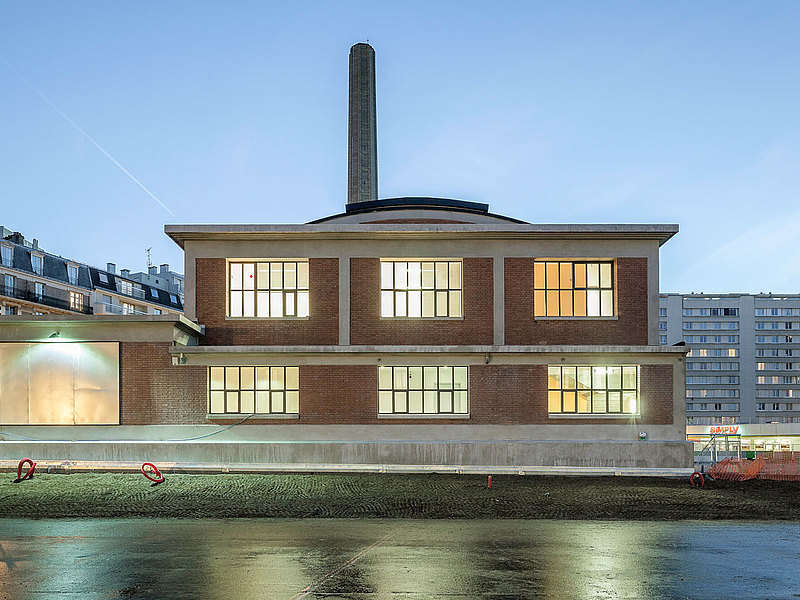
[
  {"x": 423, "y": 390},
  {"x": 128, "y": 309},
  {"x": 593, "y": 390},
  {"x": 76, "y": 301},
  {"x": 573, "y": 289},
  {"x": 254, "y": 390},
  {"x": 36, "y": 263},
  {"x": 275, "y": 289},
  {"x": 421, "y": 289}
]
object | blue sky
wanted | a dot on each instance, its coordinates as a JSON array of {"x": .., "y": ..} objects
[{"x": 590, "y": 112}]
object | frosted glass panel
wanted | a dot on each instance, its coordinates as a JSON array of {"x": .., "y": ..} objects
[{"x": 62, "y": 383}]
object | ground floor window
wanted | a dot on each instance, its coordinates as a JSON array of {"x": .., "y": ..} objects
[
  {"x": 593, "y": 389},
  {"x": 259, "y": 390},
  {"x": 423, "y": 390}
]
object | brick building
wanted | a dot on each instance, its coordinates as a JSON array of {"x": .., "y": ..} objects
[{"x": 407, "y": 331}]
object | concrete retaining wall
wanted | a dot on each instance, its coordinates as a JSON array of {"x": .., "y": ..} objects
[{"x": 649, "y": 454}]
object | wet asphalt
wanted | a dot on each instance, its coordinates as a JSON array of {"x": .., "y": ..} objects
[{"x": 279, "y": 559}]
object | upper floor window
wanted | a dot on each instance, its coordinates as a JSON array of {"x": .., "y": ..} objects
[
  {"x": 103, "y": 277},
  {"x": 72, "y": 274},
  {"x": 421, "y": 288},
  {"x": 573, "y": 289},
  {"x": 593, "y": 390},
  {"x": 7, "y": 253},
  {"x": 273, "y": 289},
  {"x": 8, "y": 284},
  {"x": 38, "y": 290},
  {"x": 37, "y": 263}
]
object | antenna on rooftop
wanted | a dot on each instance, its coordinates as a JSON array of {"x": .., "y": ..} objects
[{"x": 149, "y": 262}]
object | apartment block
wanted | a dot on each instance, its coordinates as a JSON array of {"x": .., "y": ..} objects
[{"x": 743, "y": 367}]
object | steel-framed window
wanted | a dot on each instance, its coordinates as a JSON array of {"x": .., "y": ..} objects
[
  {"x": 423, "y": 390},
  {"x": 259, "y": 390},
  {"x": 423, "y": 289},
  {"x": 268, "y": 289},
  {"x": 573, "y": 289},
  {"x": 593, "y": 389}
]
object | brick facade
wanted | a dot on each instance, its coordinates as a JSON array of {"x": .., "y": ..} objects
[
  {"x": 629, "y": 328},
  {"x": 368, "y": 328},
  {"x": 321, "y": 327},
  {"x": 499, "y": 395},
  {"x": 154, "y": 392}
]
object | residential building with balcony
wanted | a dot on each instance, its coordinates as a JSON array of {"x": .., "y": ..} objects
[
  {"x": 161, "y": 277},
  {"x": 35, "y": 282}
]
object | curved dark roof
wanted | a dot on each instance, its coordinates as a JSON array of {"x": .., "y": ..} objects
[{"x": 417, "y": 202}]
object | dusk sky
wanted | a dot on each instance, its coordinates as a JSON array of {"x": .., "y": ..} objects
[{"x": 236, "y": 112}]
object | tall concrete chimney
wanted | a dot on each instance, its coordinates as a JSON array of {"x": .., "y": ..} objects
[{"x": 362, "y": 132}]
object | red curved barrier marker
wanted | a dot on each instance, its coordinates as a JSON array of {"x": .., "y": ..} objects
[
  {"x": 28, "y": 474},
  {"x": 156, "y": 477},
  {"x": 697, "y": 479}
]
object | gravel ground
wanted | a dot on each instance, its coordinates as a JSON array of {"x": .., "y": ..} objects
[{"x": 382, "y": 495}]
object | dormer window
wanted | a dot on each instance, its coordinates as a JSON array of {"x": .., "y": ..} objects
[
  {"x": 103, "y": 277},
  {"x": 7, "y": 253},
  {"x": 37, "y": 262},
  {"x": 72, "y": 274}
]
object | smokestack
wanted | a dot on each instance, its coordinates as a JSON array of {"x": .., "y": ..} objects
[{"x": 362, "y": 132}]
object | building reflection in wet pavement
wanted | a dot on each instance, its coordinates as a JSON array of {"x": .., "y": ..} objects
[{"x": 330, "y": 558}]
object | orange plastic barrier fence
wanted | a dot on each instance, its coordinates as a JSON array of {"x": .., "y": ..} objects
[{"x": 776, "y": 466}]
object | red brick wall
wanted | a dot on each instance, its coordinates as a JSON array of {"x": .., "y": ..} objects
[
  {"x": 630, "y": 328},
  {"x": 321, "y": 327},
  {"x": 154, "y": 392},
  {"x": 367, "y": 327},
  {"x": 656, "y": 394},
  {"x": 499, "y": 395}
]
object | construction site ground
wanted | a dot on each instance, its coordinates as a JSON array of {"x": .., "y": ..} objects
[{"x": 434, "y": 496}]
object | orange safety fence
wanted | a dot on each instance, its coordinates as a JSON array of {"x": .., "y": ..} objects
[{"x": 776, "y": 466}]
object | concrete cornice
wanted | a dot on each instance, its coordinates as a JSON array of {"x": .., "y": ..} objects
[
  {"x": 82, "y": 321},
  {"x": 183, "y": 233},
  {"x": 672, "y": 350}
]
